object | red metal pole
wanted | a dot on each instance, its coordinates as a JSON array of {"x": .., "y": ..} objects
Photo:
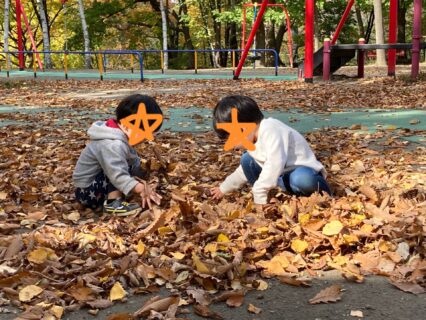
[
  {"x": 19, "y": 30},
  {"x": 393, "y": 17},
  {"x": 243, "y": 37},
  {"x": 30, "y": 33},
  {"x": 309, "y": 40},
  {"x": 361, "y": 59},
  {"x": 250, "y": 39},
  {"x": 417, "y": 34},
  {"x": 289, "y": 35},
  {"x": 326, "y": 60},
  {"x": 342, "y": 21}
]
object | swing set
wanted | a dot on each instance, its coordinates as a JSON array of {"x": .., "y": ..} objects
[
  {"x": 20, "y": 14},
  {"x": 288, "y": 24}
]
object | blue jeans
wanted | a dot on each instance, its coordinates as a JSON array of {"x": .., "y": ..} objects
[{"x": 302, "y": 181}]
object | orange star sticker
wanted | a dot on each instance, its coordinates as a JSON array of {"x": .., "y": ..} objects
[
  {"x": 132, "y": 122},
  {"x": 238, "y": 132}
]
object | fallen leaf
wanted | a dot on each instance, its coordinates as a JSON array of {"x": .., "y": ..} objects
[
  {"x": 140, "y": 248},
  {"x": 332, "y": 228},
  {"x": 295, "y": 281},
  {"x": 157, "y": 305},
  {"x": 235, "y": 300},
  {"x": 357, "y": 313},
  {"x": 299, "y": 246},
  {"x": 117, "y": 292},
  {"x": 261, "y": 285},
  {"x": 205, "y": 312},
  {"x": 409, "y": 287},
  {"x": 40, "y": 255},
  {"x": 330, "y": 294},
  {"x": 251, "y": 308},
  {"x": 29, "y": 292},
  {"x": 100, "y": 303}
]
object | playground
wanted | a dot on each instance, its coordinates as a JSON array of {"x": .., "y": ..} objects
[{"x": 359, "y": 253}]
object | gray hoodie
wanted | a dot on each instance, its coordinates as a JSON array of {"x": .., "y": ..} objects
[{"x": 110, "y": 152}]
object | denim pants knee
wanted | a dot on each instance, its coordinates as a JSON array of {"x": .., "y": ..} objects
[{"x": 301, "y": 181}]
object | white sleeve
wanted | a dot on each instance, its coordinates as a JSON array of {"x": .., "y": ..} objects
[
  {"x": 272, "y": 168},
  {"x": 234, "y": 181}
]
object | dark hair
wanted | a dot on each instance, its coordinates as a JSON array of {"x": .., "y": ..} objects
[
  {"x": 248, "y": 111},
  {"x": 130, "y": 105}
]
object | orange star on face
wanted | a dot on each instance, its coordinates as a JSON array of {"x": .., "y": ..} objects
[
  {"x": 238, "y": 132},
  {"x": 137, "y": 135}
]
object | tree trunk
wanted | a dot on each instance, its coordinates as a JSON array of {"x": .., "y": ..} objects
[
  {"x": 6, "y": 30},
  {"x": 86, "y": 38},
  {"x": 186, "y": 34},
  {"x": 45, "y": 31},
  {"x": 164, "y": 28},
  {"x": 378, "y": 22},
  {"x": 279, "y": 41},
  {"x": 270, "y": 43},
  {"x": 359, "y": 21},
  {"x": 261, "y": 41}
]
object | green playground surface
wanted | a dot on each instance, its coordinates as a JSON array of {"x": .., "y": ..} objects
[
  {"x": 150, "y": 75},
  {"x": 198, "y": 119}
]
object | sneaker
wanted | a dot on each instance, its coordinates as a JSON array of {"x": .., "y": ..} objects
[{"x": 121, "y": 208}]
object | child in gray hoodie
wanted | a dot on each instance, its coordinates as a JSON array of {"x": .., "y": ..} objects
[{"x": 107, "y": 166}]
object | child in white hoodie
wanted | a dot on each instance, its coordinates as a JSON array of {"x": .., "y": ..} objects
[{"x": 282, "y": 157}]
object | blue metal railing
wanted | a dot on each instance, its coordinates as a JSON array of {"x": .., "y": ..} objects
[{"x": 139, "y": 54}]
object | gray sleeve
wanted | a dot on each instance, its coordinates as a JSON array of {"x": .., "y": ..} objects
[
  {"x": 136, "y": 169},
  {"x": 113, "y": 160}
]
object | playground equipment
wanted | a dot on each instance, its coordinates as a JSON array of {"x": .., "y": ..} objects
[
  {"x": 331, "y": 57},
  {"x": 101, "y": 58},
  {"x": 288, "y": 24}
]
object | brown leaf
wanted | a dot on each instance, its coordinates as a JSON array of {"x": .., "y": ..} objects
[
  {"x": 330, "y": 294},
  {"x": 409, "y": 287},
  {"x": 235, "y": 301},
  {"x": 160, "y": 217},
  {"x": 295, "y": 281},
  {"x": 100, "y": 303},
  {"x": 251, "y": 308},
  {"x": 205, "y": 312},
  {"x": 81, "y": 293},
  {"x": 199, "y": 295},
  {"x": 120, "y": 316},
  {"x": 369, "y": 192},
  {"x": 158, "y": 305},
  {"x": 14, "y": 247}
]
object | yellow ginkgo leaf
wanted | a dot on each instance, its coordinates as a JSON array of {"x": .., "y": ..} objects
[
  {"x": 178, "y": 255},
  {"x": 262, "y": 230},
  {"x": 29, "y": 292},
  {"x": 350, "y": 238},
  {"x": 367, "y": 228},
  {"x": 140, "y": 248},
  {"x": 222, "y": 238},
  {"x": 58, "y": 311},
  {"x": 164, "y": 230},
  {"x": 210, "y": 247},
  {"x": 299, "y": 245},
  {"x": 117, "y": 292},
  {"x": 303, "y": 218},
  {"x": 199, "y": 265},
  {"x": 40, "y": 255},
  {"x": 332, "y": 228}
]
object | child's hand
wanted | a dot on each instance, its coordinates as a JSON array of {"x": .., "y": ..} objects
[
  {"x": 216, "y": 193},
  {"x": 147, "y": 194}
]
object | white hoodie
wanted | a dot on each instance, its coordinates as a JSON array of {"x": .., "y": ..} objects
[{"x": 279, "y": 148}]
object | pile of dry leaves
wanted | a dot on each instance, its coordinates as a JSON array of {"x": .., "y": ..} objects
[{"x": 56, "y": 258}]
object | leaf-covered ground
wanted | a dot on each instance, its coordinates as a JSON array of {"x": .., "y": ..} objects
[{"x": 56, "y": 257}]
